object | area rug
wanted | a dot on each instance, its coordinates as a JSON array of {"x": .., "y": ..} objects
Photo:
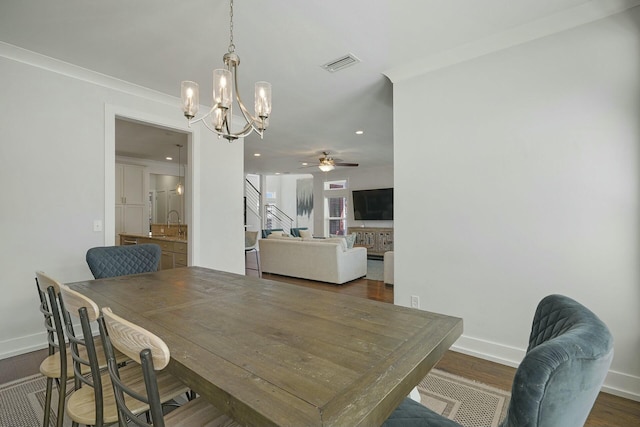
[
  {"x": 375, "y": 269},
  {"x": 469, "y": 403}
]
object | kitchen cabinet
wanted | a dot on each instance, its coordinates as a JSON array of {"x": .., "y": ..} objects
[
  {"x": 131, "y": 210},
  {"x": 174, "y": 251},
  {"x": 129, "y": 184}
]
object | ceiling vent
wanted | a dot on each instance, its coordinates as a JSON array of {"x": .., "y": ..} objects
[{"x": 341, "y": 63}]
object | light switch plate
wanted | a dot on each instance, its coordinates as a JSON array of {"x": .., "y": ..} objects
[{"x": 97, "y": 225}]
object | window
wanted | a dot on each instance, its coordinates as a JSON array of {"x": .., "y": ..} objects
[
  {"x": 335, "y": 207},
  {"x": 335, "y": 185}
]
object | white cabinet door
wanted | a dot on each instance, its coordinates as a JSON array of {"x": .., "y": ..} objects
[
  {"x": 131, "y": 206},
  {"x": 119, "y": 223},
  {"x": 133, "y": 219},
  {"x": 119, "y": 184},
  {"x": 133, "y": 184}
]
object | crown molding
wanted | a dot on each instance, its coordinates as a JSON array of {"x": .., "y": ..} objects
[
  {"x": 48, "y": 63},
  {"x": 565, "y": 20}
]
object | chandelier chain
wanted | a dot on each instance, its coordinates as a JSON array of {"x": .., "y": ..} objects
[{"x": 232, "y": 47}]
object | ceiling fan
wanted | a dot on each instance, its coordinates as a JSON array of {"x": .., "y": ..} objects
[{"x": 328, "y": 163}]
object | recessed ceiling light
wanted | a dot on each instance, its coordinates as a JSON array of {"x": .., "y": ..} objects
[
  {"x": 256, "y": 154},
  {"x": 277, "y": 173},
  {"x": 305, "y": 164},
  {"x": 359, "y": 132},
  {"x": 169, "y": 158}
]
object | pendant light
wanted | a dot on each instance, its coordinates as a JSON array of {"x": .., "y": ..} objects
[{"x": 180, "y": 187}]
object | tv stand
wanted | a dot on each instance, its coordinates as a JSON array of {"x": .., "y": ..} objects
[{"x": 377, "y": 240}]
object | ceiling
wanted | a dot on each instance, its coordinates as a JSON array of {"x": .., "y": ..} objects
[{"x": 158, "y": 43}]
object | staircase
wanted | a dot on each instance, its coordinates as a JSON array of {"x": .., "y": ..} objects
[
  {"x": 276, "y": 218},
  {"x": 273, "y": 216}
]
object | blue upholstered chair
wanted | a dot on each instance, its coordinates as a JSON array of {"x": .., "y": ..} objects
[
  {"x": 570, "y": 351},
  {"x": 112, "y": 261}
]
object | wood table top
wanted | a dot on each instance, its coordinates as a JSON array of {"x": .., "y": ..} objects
[{"x": 271, "y": 353}]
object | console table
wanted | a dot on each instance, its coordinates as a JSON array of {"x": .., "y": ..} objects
[{"x": 377, "y": 240}]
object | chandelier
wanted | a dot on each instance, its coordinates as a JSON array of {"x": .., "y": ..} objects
[{"x": 225, "y": 83}]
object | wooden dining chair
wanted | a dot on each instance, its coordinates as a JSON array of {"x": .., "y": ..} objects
[
  {"x": 92, "y": 402},
  {"x": 153, "y": 355},
  {"x": 55, "y": 366}
]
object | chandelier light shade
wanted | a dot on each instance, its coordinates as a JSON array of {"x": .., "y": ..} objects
[
  {"x": 190, "y": 99},
  {"x": 225, "y": 91}
]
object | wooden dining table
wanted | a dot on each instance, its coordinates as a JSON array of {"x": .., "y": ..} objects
[{"x": 271, "y": 353}]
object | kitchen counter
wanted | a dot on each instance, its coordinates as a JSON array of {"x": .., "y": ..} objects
[
  {"x": 160, "y": 237},
  {"x": 174, "y": 248}
]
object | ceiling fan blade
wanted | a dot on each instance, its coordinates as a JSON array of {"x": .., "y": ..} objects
[{"x": 345, "y": 164}]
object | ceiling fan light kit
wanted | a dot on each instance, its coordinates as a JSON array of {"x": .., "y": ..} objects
[
  {"x": 225, "y": 90},
  {"x": 327, "y": 164},
  {"x": 326, "y": 167}
]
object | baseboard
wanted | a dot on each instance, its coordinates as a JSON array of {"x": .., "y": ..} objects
[
  {"x": 22, "y": 345},
  {"x": 616, "y": 383},
  {"x": 29, "y": 343}
]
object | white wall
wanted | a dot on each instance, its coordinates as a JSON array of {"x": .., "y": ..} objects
[
  {"x": 357, "y": 179},
  {"x": 54, "y": 130},
  {"x": 285, "y": 187},
  {"x": 525, "y": 169}
]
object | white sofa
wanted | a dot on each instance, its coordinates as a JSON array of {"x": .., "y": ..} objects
[{"x": 324, "y": 260}]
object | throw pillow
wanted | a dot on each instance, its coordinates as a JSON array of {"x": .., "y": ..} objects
[
  {"x": 306, "y": 234},
  {"x": 339, "y": 240},
  {"x": 282, "y": 236},
  {"x": 351, "y": 239},
  {"x": 277, "y": 234}
]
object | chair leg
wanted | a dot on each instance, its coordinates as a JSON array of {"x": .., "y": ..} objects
[
  {"x": 47, "y": 403},
  {"x": 62, "y": 395},
  {"x": 258, "y": 262}
]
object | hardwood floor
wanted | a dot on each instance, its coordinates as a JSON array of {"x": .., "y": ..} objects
[{"x": 608, "y": 411}]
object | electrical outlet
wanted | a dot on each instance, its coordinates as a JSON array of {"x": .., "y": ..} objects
[
  {"x": 97, "y": 225},
  {"x": 415, "y": 301}
]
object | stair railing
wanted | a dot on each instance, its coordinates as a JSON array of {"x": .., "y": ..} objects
[
  {"x": 276, "y": 218},
  {"x": 252, "y": 197}
]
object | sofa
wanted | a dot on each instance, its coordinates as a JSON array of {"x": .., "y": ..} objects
[
  {"x": 294, "y": 232},
  {"x": 323, "y": 260}
]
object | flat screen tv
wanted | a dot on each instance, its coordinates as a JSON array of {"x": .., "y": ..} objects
[{"x": 373, "y": 204}]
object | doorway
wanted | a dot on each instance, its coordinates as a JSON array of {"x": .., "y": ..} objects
[{"x": 154, "y": 160}]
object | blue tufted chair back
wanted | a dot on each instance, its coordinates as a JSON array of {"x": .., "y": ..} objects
[
  {"x": 570, "y": 351},
  {"x": 112, "y": 261}
]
